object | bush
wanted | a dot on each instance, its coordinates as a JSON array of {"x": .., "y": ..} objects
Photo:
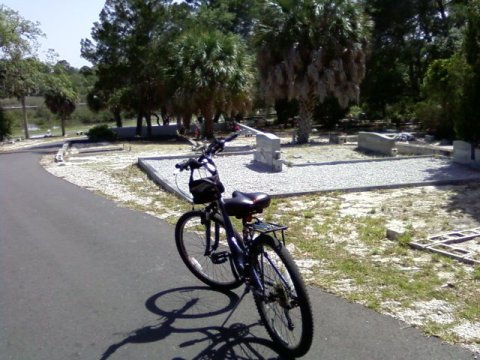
[
  {"x": 86, "y": 116},
  {"x": 433, "y": 119},
  {"x": 6, "y": 124},
  {"x": 400, "y": 112},
  {"x": 101, "y": 133}
]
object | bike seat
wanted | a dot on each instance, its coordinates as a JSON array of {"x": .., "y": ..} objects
[{"x": 242, "y": 204}]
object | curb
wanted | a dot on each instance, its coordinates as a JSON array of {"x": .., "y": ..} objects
[{"x": 61, "y": 153}]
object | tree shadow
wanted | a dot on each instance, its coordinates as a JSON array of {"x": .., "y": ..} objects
[
  {"x": 230, "y": 342},
  {"x": 464, "y": 182},
  {"x": 466, "y": 200},
  {"x": 259, "y": 168}
]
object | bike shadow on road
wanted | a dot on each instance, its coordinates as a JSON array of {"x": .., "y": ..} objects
[{"x": 187, "y": 307}]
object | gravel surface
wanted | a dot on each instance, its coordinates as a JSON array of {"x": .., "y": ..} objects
[{"x": 240, "y": 172}]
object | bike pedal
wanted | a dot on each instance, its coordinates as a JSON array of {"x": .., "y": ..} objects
[{"x": 220, "y": 257}]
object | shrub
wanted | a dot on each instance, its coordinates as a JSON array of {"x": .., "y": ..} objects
[
  {"x": 429, "y": 113},
  {"x": 101, "y": 133},
  {"x": 5, "y": 125},
  {"x": 86, "y": 116}
]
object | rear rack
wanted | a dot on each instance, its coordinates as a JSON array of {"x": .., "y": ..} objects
[{"x": 265, "y": 228}]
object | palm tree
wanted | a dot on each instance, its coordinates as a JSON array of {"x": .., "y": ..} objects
[
  {"x": 210, "y": 73},
  {"x": 311, "y": 49},
  {"x": 60, "y": 97}
]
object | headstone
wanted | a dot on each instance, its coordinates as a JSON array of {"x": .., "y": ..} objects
[
  {"x": 462, "y": 154},
  {"x": 268, "y": 151},
  {"x": 376, "y": 142}
]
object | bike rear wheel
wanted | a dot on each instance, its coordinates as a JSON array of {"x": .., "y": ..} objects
[
  {"x": 282, "y": 300},
  {"x": 203, "y": 247}
]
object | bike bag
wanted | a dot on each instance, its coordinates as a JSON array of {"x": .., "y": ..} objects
[{"x": 206, "y": 190}]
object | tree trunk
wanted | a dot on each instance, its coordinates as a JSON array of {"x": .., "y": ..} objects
[
  {"x": 305, "y": 122},
  {"x": 163, "y": 113},
  {"x": 207, "y": 112},
  {"x": 62, "y": 125},
  {"x": 208, "y": 132},
  {"x": 187, "y": 121},
  {"x": 148, "y": 119},
  {"x": 25, "y": 121},
  {"x": 117, "y": 115},
  {"x": 138, "y": 130}
]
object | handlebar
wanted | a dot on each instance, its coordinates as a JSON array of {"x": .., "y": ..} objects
[
  {"x": 214, "y": 148},
  {"x": 188, "y": 164},
  {"x": 218, "y": 145}
]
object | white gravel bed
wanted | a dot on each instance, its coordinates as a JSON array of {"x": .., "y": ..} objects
[{"x": 239, "y": 172}]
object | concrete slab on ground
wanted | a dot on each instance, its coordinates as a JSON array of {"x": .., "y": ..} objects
[{"x": 239, "y": 172}]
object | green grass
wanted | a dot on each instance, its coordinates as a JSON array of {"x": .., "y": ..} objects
[
  {"x": 372, "y": 230},
  {"x": 476, "y": 273},
  {"x": 82, "y": 118},
  {"x": 471, "y": 311}
]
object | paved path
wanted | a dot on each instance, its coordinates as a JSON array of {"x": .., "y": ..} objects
[
  {"x": 82, "y": 278},
  {"x": 239, "y": 172}
]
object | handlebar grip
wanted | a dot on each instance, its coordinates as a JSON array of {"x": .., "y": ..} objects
[
  {"x": 182, "y": 165},
  {"x": 190, "y": 163}
]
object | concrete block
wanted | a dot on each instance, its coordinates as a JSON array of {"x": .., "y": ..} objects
[
  {"x": 247, "y": 130},
  {"x": 395, "y": 230},
  {"x": 380, "y": 143},
  {"x": 462, "y": 154},
  {"x": 268, "y": 151},
  {"x": 268, "y": 142},
  {"x": 414, "y": 149}
]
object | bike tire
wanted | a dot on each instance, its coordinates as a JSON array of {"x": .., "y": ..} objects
[
  {"x": 207, "y": 257},
  {"x": 282, "y": 301}
]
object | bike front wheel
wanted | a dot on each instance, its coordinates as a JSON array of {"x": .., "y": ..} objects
[
  {"x": 281, "y": 297},
  {"x": 203, "y": 247}
]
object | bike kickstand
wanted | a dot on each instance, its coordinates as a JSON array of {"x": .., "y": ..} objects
[{"x": 247, "y": 290}]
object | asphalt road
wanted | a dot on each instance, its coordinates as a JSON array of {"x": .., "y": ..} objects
[{"x": 81, "y": 278}]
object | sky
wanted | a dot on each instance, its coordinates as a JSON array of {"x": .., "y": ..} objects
[{"x": 64, "y": 22}]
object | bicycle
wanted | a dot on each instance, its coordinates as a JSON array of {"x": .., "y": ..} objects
[{"x": 224, "y": 259}]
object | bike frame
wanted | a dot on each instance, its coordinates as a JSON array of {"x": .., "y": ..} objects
[{"x": 238, "y": 249}]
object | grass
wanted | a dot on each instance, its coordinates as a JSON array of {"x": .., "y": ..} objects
[
  {"x": 372, "y": 230},
  {"x": 82, "y": 118},
  {"x": 476, "y": 273}
]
